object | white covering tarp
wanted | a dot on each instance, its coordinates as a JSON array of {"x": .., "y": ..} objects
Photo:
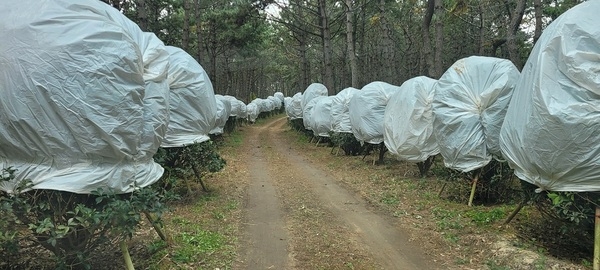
[
  {"x": 253, "y": 112},
  {"x": 83, "y": 97},
  {"x": 469, "y": 106},
  {"x": 280, "y": 96},
  {"x": 321, "y": 123},
  {"x": 408, "y": 121},
  {"x": 193, "y": 108},
  {"x": 340, "y": 114},
  {"x": 223, "y": 109},
  {"x": 236, "y": 106},
  {"x": 294, "y": 110},
  {"x": 550, "y": 135},
  {"x": 277, "y": 103},
  {"x": 367, "y": 108},
  {"x": 312, "y": 91},
  {"x": 308, "y": 111}
]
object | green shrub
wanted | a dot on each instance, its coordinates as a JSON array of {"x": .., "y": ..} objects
[
  {"x": 347, "y": 142},
  {"x": 72, "y": 225},
  {"x": 189, "y": 162},
  {"x": 496, "y": 183}
]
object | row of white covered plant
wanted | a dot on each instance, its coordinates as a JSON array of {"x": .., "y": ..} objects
[{"x": 544, "y": 121}]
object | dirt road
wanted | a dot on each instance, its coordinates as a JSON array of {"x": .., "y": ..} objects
[{"x": 300, "y": 217}]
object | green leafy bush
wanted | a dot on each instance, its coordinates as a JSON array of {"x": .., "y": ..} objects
[
  {"x": 347, "y": 142},
  {"x": 496, "y": 183},
  {"x": 189, "y": 162},
  {"x": 72, "y": 225}
]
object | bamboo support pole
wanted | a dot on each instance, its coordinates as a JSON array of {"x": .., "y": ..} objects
[
  {"x": 126, "y": 256},
  {"x": 159, "y": 230},
  {"x": 516, "y": 211},
  {"x": 473, "y": 189},
  {"x": 597, "y": 240}
]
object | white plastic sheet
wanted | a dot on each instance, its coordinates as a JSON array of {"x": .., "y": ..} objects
[
  {"x": 193, "y": 108},
  {"x": 340, "y": 113},
  {"x": 469, "y": 106},
  {"x": 280, "y": 96},
  {"x": 294, "y": 110},
  {"x": 367, "y": 108},
  {"x": 277, "y": 103},
  {"x": 550, "y": 134},
  {"x": 321, "y": 116},
  {"x": 83, "y": 97},
  {"x": 308, "y": 111},
  {"x": 223, "y": 111},
  {"x": 253, "y": 112},
  {"x": 312, "y": 91},
  {"x": 408, "y": 121}
]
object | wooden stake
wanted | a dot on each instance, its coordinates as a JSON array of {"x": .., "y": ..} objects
[
  {"x": 516, "y": 211},
  {"x": 473, "y": 189},
  {"x": 152, "y": 218},
  {"x": 126, "y": 256},
  {"x": 442, "y": 189},
  {"x": 597, "y": 240}
]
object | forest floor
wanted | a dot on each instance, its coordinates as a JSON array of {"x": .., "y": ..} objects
[{"x": 282, "y": 202}]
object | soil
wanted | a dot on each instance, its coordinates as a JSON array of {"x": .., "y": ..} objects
[{"x": 327, "y": 226}]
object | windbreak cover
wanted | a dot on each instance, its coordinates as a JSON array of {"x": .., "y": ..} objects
[
  {"x": 253, "y": 112},
  {"x": 83, "y": 97},
  {"x": 469, "y": 106},
  {"x": 294, "y": 109},
  {"x": 276, "y": 102},
  {"x": 321, "y": 124},
  {"x": 223, "y": 110},
  {"x": 236, "y": 107},
  {"x": 408, "y": 121},
  {"x": 367, "y": 107},
  {"x": 308, "y": 120},
  {"x": 550, "y": 135},
  {"x": 312, "y": 91},
  {"x": 280, "y": 96},
  {"x": 193, "y": 108},
  {"x": 340, "y": 114}
]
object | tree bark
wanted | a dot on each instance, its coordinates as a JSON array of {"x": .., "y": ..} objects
[
  {"x": 439, "y": 39},
  {"x": 198, "y": 32},
  {"x": 185, "y": 36},
  {"x": 537, "y": 7},
  {"x": 326, "y": 38},
  {"x": 386, "y": 49},
  {"x": 350, "y": 44},
  {"x": 427, "y": 50},
  {"x": 513, "y": 28},
  {"x": 142, "y": 14}
]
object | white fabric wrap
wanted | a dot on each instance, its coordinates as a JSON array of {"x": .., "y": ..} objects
[
  {"x": 340, "y": 114},
  {"x": 83, "y": 97},
  {"x": 550, "y": 135},
  {"x": 469, "y": 106},
  {"x": 366, "y": 109},
  {"x": 193, "y": 108},
  {"x": 408, "y": 121}
]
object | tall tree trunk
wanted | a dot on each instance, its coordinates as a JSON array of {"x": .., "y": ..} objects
[
  {"x": 537, "y": 7},
  {"x": 350, "y": 43},
  {"x": 198, "y": 32},
  {"x": 386, "y": 46},
  {"x": 439, "y": 39},
  {"x": 513, "y": 28},
  {"x": 481, "y": 30},
  {"x": 185, "y": 36},
  {"x": 427, "y": 49},
  {"x": 326, "y": 38},
  {"x": 142, "y": 14}
]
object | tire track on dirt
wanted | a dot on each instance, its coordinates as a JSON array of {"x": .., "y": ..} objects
[
  {"x": 387, "y": 244},
  {"x": 266, "y": 237}
]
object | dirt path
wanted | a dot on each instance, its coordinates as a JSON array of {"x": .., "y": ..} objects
[{"x": 326, "y": 226}]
